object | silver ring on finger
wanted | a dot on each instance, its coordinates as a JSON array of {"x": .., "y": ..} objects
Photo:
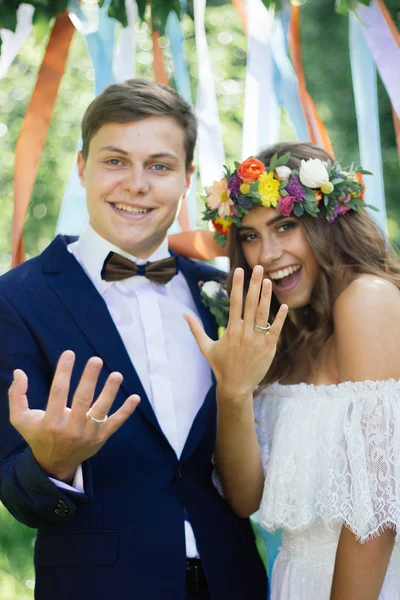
[
  {"x": 95, "y": 421},
  {"x": 261, "y": 329}
]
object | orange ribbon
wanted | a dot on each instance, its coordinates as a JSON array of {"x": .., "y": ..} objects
[
  {"x": 316, "y": 129},
  {"x": 35, "y": 126}
]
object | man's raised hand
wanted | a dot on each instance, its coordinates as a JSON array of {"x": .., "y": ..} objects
[{"x": 61, "y": 438}]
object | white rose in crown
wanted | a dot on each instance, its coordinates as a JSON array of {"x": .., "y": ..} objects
[
  {"x": 211, "y": 288},
  {"x": 313, "y": 173}
]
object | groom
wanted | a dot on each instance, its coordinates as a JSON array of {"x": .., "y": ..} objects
[{"x": 120, "y": 491}]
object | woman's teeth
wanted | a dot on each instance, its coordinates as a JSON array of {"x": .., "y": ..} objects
[
  {"x": 284, "y": 272},
  {"x": 132, "y": 209}
]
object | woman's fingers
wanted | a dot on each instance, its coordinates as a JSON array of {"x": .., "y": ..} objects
[
  {"x": 236, "y": 300},
  {"x": 197, "y": 329},
  {"x": 252, "y": 299},
  {"x": 279, "y": 321},
  {"x": 60, "y": 387},
  {"x": 262, "y": 312}
]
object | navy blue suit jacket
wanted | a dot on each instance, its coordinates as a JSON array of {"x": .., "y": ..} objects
[{"x": 124, "y": 537}]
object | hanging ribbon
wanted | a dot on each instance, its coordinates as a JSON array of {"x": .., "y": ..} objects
[
  {"x": 35, "y": 126},
  {"x": 100, "y": 43},
  {"x": 383, "y": 40},
  {"x": 187, "y": 215},
  {"x": 316, "y": 129},
  {"x": 287, "y": 85},
  {"x": 261, "y": 118},
  {"x": 366, "y": 104},
  {"x": 13, "y": 41},
  {"x": 160, "y": 74},
  {"x": 210, "y": 148}
]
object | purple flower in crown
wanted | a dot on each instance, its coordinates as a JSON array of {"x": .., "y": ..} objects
[
  {"x": 234, "y": 184},
  {"x": 295, "y": 189},
  {"x": 338, "y": 209},
  {"x": 245, "y": 202}
]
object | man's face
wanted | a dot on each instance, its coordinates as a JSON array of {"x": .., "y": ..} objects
[{"x": 135, "y": 179}]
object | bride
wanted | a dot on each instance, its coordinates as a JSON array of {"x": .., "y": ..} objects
[{"x": 318, "y": 449}]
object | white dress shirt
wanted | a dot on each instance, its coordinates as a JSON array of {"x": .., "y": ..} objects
[{"x": 149, "y": 319}]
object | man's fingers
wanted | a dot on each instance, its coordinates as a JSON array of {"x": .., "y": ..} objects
[
  {"x": 60, "y": 386},
  {"x": 120, "y": 416},
  {"x": 17, "y": 396},
  {"x": 84, "y": 394},
  {"x": 236, "y": 299},
  {"x": 100, "y": 409},
  {"x": 198, "y": 332}
]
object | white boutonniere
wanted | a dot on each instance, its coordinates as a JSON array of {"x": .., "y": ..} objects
[{"x": 215, "y": 297}]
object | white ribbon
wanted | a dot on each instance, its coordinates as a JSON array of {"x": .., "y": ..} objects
[
  {"x": 12, "y": 42},
  {"x": 210, "y": 148},
  {"x": 261, "y": 110},
  {"x": 125, "y": 56}
]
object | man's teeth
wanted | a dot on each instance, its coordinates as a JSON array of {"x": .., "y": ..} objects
[
  {"x": 284, "y": 272},
  {"x": 131, "y": 209}
]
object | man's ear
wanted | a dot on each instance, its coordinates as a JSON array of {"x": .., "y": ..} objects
[
  {"x": 81, "y": 168},
  {"x": 189, "y": 172}
]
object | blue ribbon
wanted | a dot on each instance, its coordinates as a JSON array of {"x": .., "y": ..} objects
[
  {"x": 73, "y": 214},
  {"x": 366, "y": 104}
]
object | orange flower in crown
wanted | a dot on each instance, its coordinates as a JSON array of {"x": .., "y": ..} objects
[
  {"x": 360, "y": 179},
  {"x": 250, "y": 170}
]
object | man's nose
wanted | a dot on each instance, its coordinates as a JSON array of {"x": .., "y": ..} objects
[{"x": 136, "y": 181}]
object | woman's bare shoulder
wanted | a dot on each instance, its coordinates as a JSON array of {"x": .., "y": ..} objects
[{"x": 366, "y": 319}]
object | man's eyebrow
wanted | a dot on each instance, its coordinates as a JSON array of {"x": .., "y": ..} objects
[
  {"x": 113, "y": 149},
  {"x": 163, "y": 155},
  {"x": 270, "y": 222}
]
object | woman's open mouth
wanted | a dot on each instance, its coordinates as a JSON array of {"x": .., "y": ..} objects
[{"x": 286, "y": 279}]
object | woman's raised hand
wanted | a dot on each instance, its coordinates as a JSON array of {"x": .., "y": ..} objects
[{"x": 243, "y": 355}]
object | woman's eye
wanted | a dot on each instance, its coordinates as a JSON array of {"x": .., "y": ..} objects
[
  {"x": 245, "y": 239},
  {"x": 286, "y": 226}
]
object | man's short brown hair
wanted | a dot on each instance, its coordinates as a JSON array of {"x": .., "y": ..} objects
[{"x": 135, "y": 100}]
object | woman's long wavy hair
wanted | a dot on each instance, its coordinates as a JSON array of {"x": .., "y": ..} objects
[{"x": 351, "y": 245}]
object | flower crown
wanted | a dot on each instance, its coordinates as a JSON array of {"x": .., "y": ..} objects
[{"x": 292, "y": 192}]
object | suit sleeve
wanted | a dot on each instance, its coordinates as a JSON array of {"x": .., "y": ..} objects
[{"x": 25, "y": 489}]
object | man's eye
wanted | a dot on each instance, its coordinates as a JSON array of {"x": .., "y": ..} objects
[
  {"x": 114, "y": 162},
  {"x": 159, "y": 167}
]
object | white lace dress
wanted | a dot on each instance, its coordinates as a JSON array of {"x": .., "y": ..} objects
[{"x": 331, "y": 456}]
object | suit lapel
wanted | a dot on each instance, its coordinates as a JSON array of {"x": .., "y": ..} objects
[{"x": 82, "y": 300}]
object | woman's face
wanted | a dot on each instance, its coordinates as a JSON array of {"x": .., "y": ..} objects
[{"x": 278, "y": 244}]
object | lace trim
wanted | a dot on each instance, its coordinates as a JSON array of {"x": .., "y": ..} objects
[{"x": 339, "y": 461}]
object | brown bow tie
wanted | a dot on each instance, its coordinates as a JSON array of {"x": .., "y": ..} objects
[{"x": 117, "y": 267}]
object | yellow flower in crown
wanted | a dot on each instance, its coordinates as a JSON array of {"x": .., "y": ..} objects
[
  {"x": 268, "y": 188},
  {"x": 222, "y": 225}
]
